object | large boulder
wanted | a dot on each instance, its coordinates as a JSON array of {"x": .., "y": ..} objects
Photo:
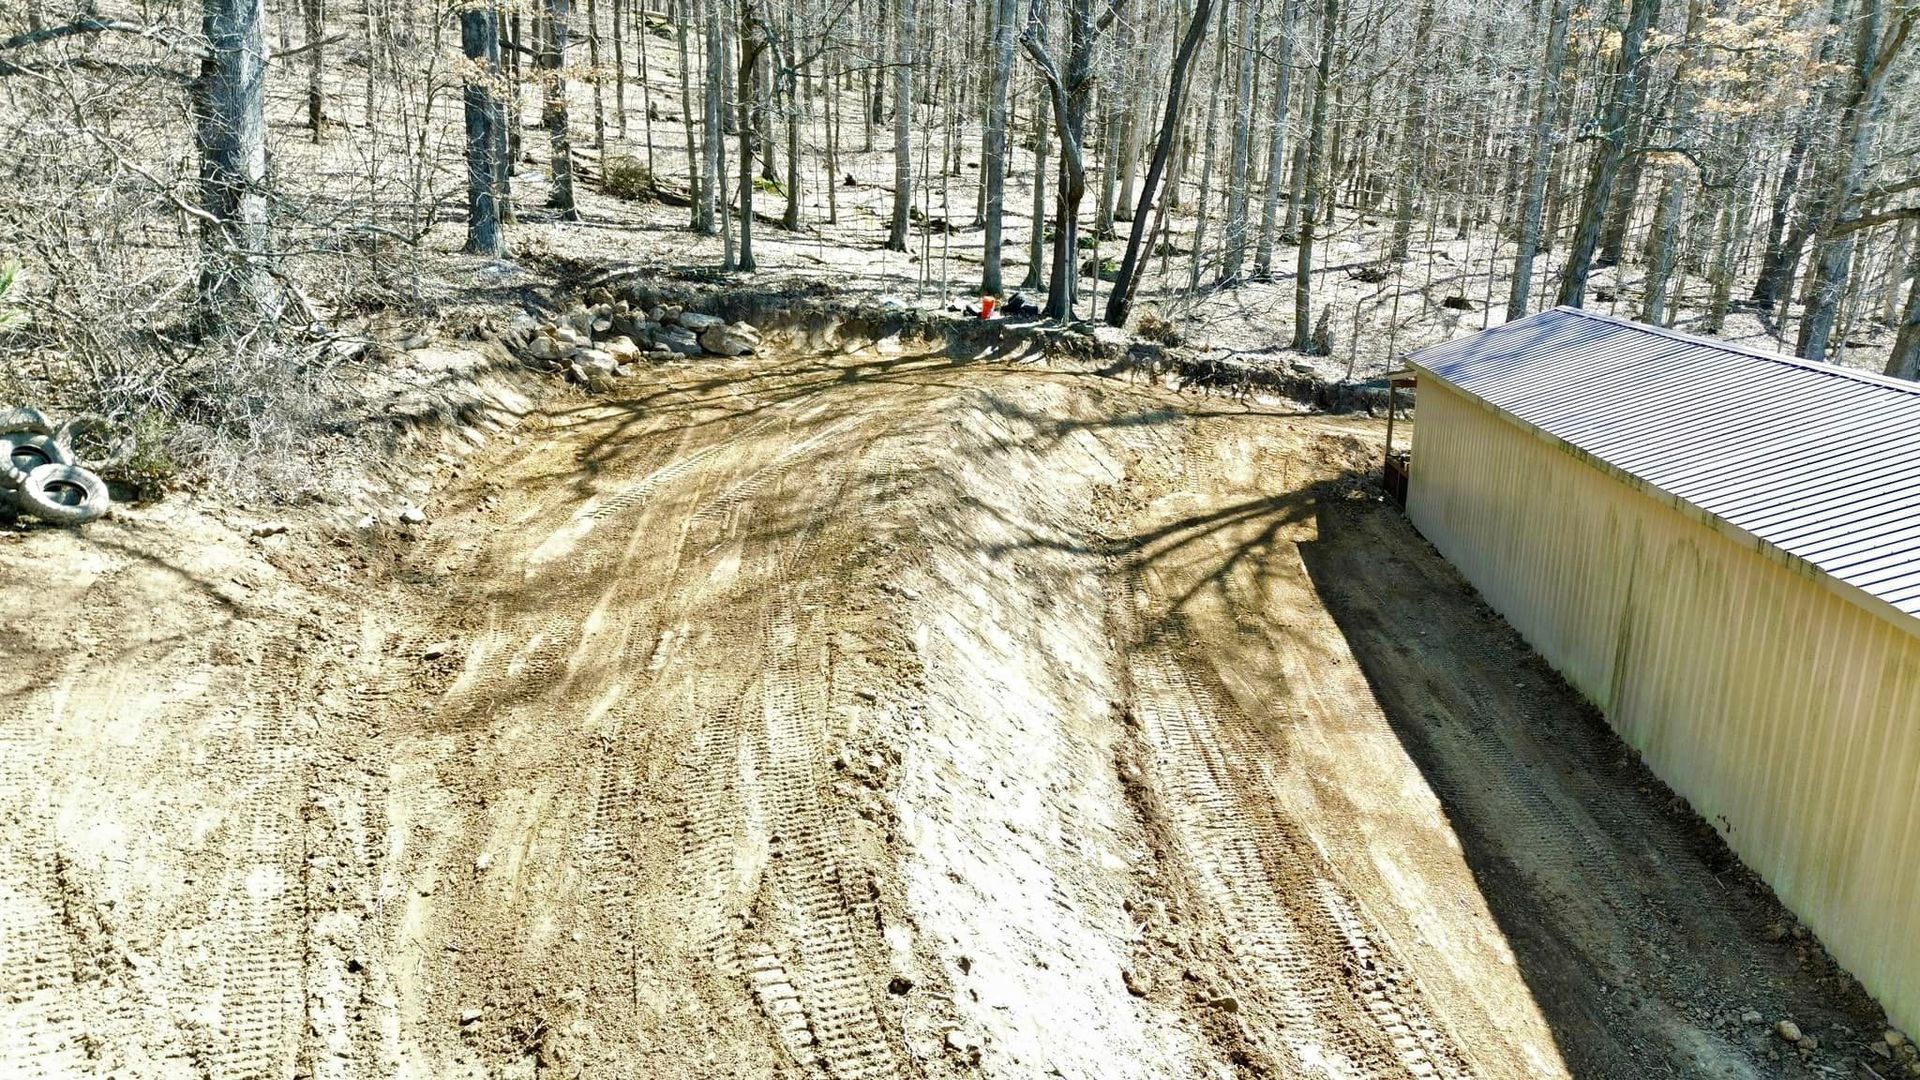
[
  {"x": 596, "y": 360},
  {"x": 739, "y": 339},
  {"x": 697, "y": 322},
  {"x": 679, "y": 339},
  {"x": 630, "y": 325},
  {"x": 622, "y": 349}
]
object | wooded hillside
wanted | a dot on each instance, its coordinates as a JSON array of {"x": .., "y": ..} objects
[{"x": 203, "y": 194}]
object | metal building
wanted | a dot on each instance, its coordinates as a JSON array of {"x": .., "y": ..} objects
[{"x": 1721, "y": 549}]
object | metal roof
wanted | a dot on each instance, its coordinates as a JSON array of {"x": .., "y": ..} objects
[{"x": 1817, "y": 461}]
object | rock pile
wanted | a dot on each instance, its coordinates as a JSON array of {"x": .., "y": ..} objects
[{"x": 608, "y": 341}]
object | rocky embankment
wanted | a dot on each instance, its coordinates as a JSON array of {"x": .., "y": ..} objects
[
  {"x": 613, "y": 339},
  {"x": 618, "y": 328}
]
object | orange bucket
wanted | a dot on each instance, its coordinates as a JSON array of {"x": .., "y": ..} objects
[{"x": 986, "y": 307}]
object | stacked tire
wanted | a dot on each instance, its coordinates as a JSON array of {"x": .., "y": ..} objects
[{"x": 43, "y": 472}]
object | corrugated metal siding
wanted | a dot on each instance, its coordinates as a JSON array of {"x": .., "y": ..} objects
[
  {"x": 1786, "y": 713},
  {"x": 1815, "y": 460}
]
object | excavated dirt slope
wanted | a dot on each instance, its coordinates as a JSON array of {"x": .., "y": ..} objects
[{"x": 858, "y": 716}]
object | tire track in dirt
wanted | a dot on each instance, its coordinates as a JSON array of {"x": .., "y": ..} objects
[
  {"x": 800, "y": 936},
  {"x": 817, "y": 903},
  {"x": 1344, "y": 1005},
  {"x": 260, "y": 915},
  {"x": 39, "y": 1032},
  {"x": 42, "y": 1030},
  {"x": 1337, "y": 998}
]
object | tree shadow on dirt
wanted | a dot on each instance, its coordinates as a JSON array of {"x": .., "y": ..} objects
[
  {"x": 716, "y": 395},
  {"x": 1640, "y": 935}
]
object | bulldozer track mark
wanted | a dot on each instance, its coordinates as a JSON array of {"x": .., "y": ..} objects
[
  {"x": 1387, "y": 993},
  {"x": 821, "y": 913},
  {"x": 712, "y": 814},
  {"x": 1319, "y": 968},
  {"x": 260, "y": 929},
  {"x": 1224, "y": 848},
  {"x": 38, "y": 1035}
]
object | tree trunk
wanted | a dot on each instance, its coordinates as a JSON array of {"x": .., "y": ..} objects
[
  {"x": 1613, "y": 150},
  {"x": 553, "y": 110},
  {"x": 480, "y": 40},
  {"x": 748, "y": 90},
  {"x": 1236, "y": 227},
  {"x": 994, "y": 143},
  {"x": 1123, "y": 200},
  {"x": 1277, "y": 149},
  {"x": 1036, "y": 240},
  {"x": 599, "y": 95},
  {"x": 506, "y": 115},
  {"x": 1541, "y": 158},
  {"x": 787, "y": 86},
  {"x": 620, "y": 64},
  {"x": 701, "y": 214},
  {"x": 237, "y": 291},
  {"x": 1133, "y": 264},
  {"x": 1204, "y": 198},
  {"x": 1879, "y": 45},
  {"x": 1904, "y": 363},
  {"x": 713, "y": 101},
  {"x": 904, "y": 33},
  {"x": 1413, "y": 140},
  {"x": 1071, "y": 93},
  {"x": 316, "y": 30},
  {"x": 1316, "y": 163},
  {"x": 646, "y": 93},
  {"x": 1663, "y": 244},
  {"x": 1297, "y": 172},
  {"x": 1626, "y": 196}
]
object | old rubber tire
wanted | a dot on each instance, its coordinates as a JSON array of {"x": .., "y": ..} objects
[
  {"x": 91, "y": 429},
  {"x": 31, "y": 421},
  {"x": 24, "y": 452},
  {"x": 64, "y": 495}
]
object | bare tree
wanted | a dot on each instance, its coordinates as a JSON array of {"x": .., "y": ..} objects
[
  {"x": 1881, "y": 37},
  {"x": 1120, "y": 301},
  {"x": 1613, "y": 150},
  {"x": 1413, "y": 140},
  {"x": 315, "y": 12},
  {"x": 1540, "y": 157},
  {"x": 713, "y": 98},
  {"x": 1236, "y": 227},
  {"x": 1315, "y": 168},
  {"x": 1277, "y": 141},
  {"x": 237, "y": 290},
  {"x": 1069, "y": 92},
  {"x": 486, "y": 121},
  {"x": 994, "y": 144},
  {"x": 904, "y": 34},
  {"x": 1904, "y": 361},
  {"x": 553, "y": 110}
]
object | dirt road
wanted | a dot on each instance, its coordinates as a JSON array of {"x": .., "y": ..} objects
[{"x": 854, "y": 716}]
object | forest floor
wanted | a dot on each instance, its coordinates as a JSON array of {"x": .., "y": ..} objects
[{"x": 873, "y": 714}]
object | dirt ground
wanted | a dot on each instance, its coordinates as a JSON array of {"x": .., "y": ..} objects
[{"x": 858, "y": 715}]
